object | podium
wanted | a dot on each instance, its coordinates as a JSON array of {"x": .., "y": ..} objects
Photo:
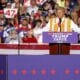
[
  {"x": 59, "y": 48},
  {"x": 59, "y": 42}
]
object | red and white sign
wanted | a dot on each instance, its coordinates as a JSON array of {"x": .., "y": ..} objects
[{"x": 10, "y": 13}]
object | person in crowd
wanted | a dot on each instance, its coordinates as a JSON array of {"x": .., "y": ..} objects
[
  {"x": 13, "y": 37},
  {"x": 3, "y": 4},
  {"x": 79, "y": 27},
  {"x": 33, "y": 8},
  {"x": 11, "y": 21},
  {"x": 44, "y": 20},
  {"x": 67, "y": 8},
  {"x": 22, "y": 10},
  {"x": 24, "y": 26},
  {"x": 16, "y": 4},
  {"x": 2, "y": 20},
  {"x": 8, "y": 5},
  {"x": 1, "y": 33},
  {"x": 35, "y": 18},
  {"x": 8, "y": 27},
  {"x": 37, "y": 30},
  {"x": 47, "y": 6},
  {"x": 1, "y": 39},
  {"x": 29, "y": 37},
  {"x": 74, "y": 16},
  {"x": 79, "y": 22}
]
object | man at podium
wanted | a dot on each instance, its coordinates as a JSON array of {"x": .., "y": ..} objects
[{"x": 60, "y": 24}]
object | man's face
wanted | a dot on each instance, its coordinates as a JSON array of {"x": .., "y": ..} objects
[
  {"x": 8, "y": 5},
  {"x": 38, "y": 24},
  {"x": 74, "y": 15},
  {"x": 33, "y": 2},
  {"x": 13, "y": 33},
  {"x": 24, "y": 22},
  {"x": 60, "y": 13}
]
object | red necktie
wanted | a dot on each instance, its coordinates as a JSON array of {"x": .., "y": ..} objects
[{"x": 59, "y": 24}]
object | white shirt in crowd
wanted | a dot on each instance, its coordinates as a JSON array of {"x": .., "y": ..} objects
[
  {"x": 21, "y": 34},
  {"x": 12, "y": 39},
  {"x": 31, "y": 9},
  {"x": 38, "y": 33}
]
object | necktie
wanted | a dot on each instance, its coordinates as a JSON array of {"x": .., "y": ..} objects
[{"x": 59, "y": 24}]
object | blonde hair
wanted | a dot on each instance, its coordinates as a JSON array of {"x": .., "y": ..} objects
[{"x": 60, "y": 8}]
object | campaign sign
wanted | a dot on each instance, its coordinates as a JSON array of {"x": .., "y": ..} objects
[
  {"x": 60, "y": 37},
  {"x": 10, "y": 13}
]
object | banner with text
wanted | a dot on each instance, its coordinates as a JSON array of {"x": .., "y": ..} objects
[{"x": 60, "y": 37}]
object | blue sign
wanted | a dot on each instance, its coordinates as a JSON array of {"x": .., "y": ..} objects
[{"x": 60, "y": 37}]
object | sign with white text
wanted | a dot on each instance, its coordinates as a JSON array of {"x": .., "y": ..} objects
[{"x": 60, "y": 37}]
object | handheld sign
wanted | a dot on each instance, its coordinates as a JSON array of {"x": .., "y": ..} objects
[
  {"x": 10, "y": 13},
  {"x": 60, "y": 37}
]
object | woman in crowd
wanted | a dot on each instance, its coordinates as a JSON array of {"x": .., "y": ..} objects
[{"x": 29, "y": 37}]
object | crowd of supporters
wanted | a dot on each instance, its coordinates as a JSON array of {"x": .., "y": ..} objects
[{"x": 30, "y": 19}]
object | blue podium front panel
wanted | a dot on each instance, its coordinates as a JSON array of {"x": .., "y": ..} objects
[{"x": 44, "y": 67}]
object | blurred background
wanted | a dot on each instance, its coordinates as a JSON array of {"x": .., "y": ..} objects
[{"x": 21, "y": 20}]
